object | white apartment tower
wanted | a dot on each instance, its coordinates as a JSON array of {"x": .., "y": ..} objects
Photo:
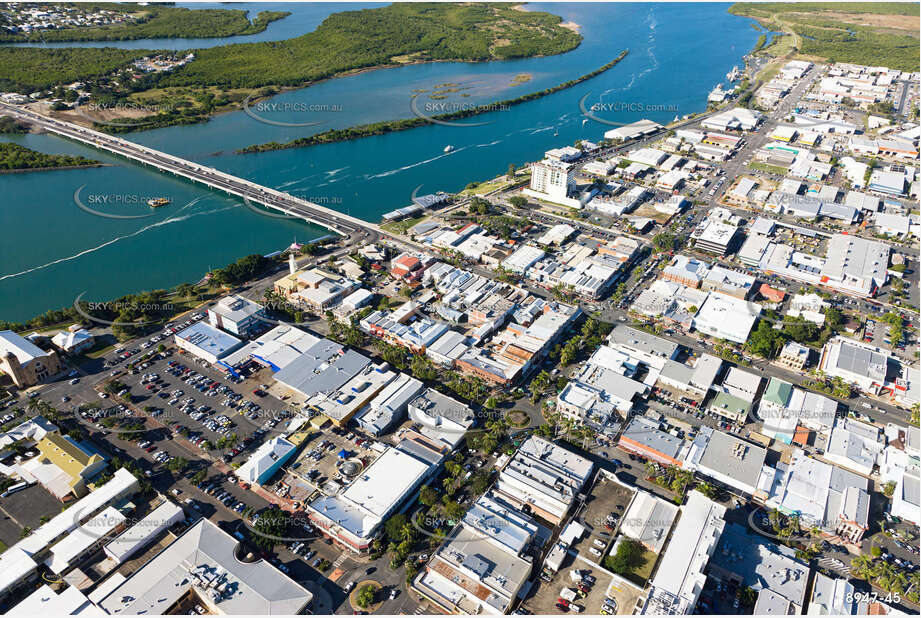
[{"x": 553, "y": 178}]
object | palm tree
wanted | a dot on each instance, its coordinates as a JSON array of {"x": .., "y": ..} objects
[{"x": 861, "y": 565}]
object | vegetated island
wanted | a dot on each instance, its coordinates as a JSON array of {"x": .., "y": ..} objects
[
  {"x": 392, "y": 126},
  {"x": 868, "y": 33},
  {"x": 152, "y": 21},
  {"x": 15, "y": 158},
  {"x": 221, "y": 78}
]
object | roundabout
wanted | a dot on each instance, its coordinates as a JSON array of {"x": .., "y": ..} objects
[{"x": 361, "y": 589}]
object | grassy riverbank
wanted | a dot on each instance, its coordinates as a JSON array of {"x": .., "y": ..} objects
[
  {"x": 392, "y": 126},
  {"x": 871, "y": 33}
]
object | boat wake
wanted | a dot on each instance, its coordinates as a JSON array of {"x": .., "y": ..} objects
[
  {"x": 412, "y": 165},
  {"x": 332, "y": 173},
  {"x": 173, "y": 219}
]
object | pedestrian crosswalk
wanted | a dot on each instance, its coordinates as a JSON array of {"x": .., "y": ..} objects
[
  {"x": 342, "y": 558},
  {"x": 834, "y": 564}
]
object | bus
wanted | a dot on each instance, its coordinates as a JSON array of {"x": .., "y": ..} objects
[{"x": 12, "y": 489}]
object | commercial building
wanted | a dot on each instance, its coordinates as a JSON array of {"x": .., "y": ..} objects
[
  {"x": 890, "y": 183},
  {"x": 696, "y": 379},
  {"x": 517, "y": 349},
  {"x": 557, "y": 235},
  {"x": 74, "y": 340},
  {"x": 855, "y": 445},
  {"x": 206, "y": 566},
  {"x": 63, "y": 466},
  {"x": 730, "y": 407},
  {"x": 790, "y": 414},
  {"x": 856, "y": 363},
  {"x": 681, "y": 575},
  {"x": 266, "y": 461},
  {"x": 448, "y": 348},
  {"x": 633, "y": 130},
  {"x": 404, "y": 327},
  {"x": 354, "y": 516},
  {"x": 892, "y": 225},
  {"x": 206, "y": 342},
  {"x": 440, "y": 417},
  {"x": 601, "y": 388},
  {"x": 733, "y": 283},
  {"x": 809, "y": 307},
  {"x": 143, "y": 533},
  {"x": 642, "y": 347},
  {"x": 315, "y": 289},
  {"x": 736, "y": 119},
  {"x": 543, "y": 479},
  {"x": 685, "y": 270},
  {"x": 649, "y": 520},
  {"x": 24, "y": 362},
  {"x": 406, "y": 266},
  {"x": 20, "y": 562},
  {"x": 855, "y": 265},
  {"x": 714, "y": 236},
  {"x": 741, "y": 384},
  {"x": 744, "y": 560},
  {"x": 726, "y": 317},
  {"x": 389, "y": 406},
  {"x": 832, "y": 596},
  {"x": 566, "y": 153},
  {"x": 820, "y": 494},
  {"x": 906, "y": 498},
  {"x": 482, "y": 565},
  {"x": 669, "y": 300},
  {"x": 274, "y": 349},
  {"x": 793, "y": 356},
  {"x": 45, "y": 601},
  {"x": 522, "y": 259},
  {"x": 340, "y": 404},
  {"x": 331, "y": 380},
  {"x": 237, "y": 315},
  {"x": 727, "y": 459},
  {"x": 643, "y": 437}
]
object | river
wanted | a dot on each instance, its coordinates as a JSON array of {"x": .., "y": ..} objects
[{"x": 675, "y": 59}]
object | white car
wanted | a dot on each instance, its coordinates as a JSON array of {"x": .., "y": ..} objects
[{"x": 594, "y": 551}]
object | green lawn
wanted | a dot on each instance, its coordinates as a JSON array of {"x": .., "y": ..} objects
[
  {"x": 487, "y": 187},
  {"x": 401, "y": 227},
  {"x": 764, "y": 167},
  {"x": 640, "y": 575}
]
